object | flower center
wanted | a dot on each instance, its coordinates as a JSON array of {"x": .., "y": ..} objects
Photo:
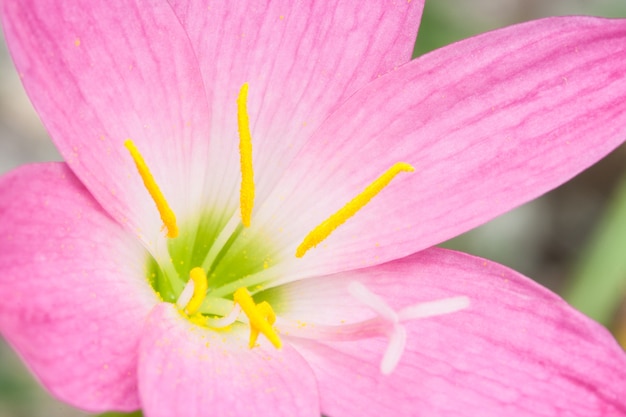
[{"x": 198, "y": 271}]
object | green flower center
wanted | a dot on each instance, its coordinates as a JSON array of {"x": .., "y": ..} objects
[{"x": 226, "y": 269}]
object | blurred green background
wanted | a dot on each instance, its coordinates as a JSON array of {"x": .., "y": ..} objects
[{"x": 570, "y": 240}]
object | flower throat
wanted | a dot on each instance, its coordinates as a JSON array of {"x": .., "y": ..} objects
[{"x": 219, "y": 304}]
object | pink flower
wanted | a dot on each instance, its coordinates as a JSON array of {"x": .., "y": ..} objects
[{"x": 110, "y": 311}]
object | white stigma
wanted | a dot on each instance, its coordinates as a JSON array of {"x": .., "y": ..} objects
[
  {"x": 373, "y": 301},
  {"x": 396, "y": 332},
  {"x": 434, "y": 308},
  {"x": 395, "y": 349}
]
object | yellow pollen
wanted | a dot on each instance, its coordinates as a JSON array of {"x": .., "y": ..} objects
[
  {"x": 200, "y": 287},
  {"x": 261, "y": 317},
  {"x": 324, "y": 229},
  {"x": 167, "y": 215},
  {"x": 246, "y": 194}
]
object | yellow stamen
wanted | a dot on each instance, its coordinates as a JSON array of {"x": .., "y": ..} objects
[
  {"x": 261, "y": 317},
  {"x": 200, "y": 287},
  {"x": 167, "y": 215},
  {"x": 246, "y": 195},
  {"x": 324, "y": 229},
  {"x": 267, "y": 312}
]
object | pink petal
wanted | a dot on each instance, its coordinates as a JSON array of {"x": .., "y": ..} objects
[
  {"x": 488, "y": 123},
  {"x": 99, "y": 73},
  {"x": 300, "y": 60},
  {"x": 186, "y": 370},
  {"x": 73, "y": 288},
  {"x": 517, "y": 350}
]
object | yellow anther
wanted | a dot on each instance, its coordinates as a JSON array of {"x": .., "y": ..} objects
[
  {"x": 200, "y": 287},
  {"x": 167, "y": 215},
  {"x": 246, "y": 194},
  {"x": 261, "y": 317},
  {"x": 324, "y": 229},
  {"x": 267, "y": 312}
]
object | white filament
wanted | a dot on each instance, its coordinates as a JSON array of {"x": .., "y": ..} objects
[
  {"x": 185, "y": 295},
  {"x": 227, "y": 320}
]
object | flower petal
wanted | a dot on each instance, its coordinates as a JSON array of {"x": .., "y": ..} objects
[
  {"x": 73, "y": 288},
  {"x": 488, "y": 123},
  {"x": 99, "y": 73},
  {"x": 299, "y": 59},
  {"x": 186, "y": 370},
  {"x": 516, "y": 350}
]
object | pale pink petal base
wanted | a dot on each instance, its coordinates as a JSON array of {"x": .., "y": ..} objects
[
  {"x": 300, "y": 59},
  {"x": 517, "y": 350},
  {"x": 186, "y": 370},
  {"x": 73, "y": 288}
]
